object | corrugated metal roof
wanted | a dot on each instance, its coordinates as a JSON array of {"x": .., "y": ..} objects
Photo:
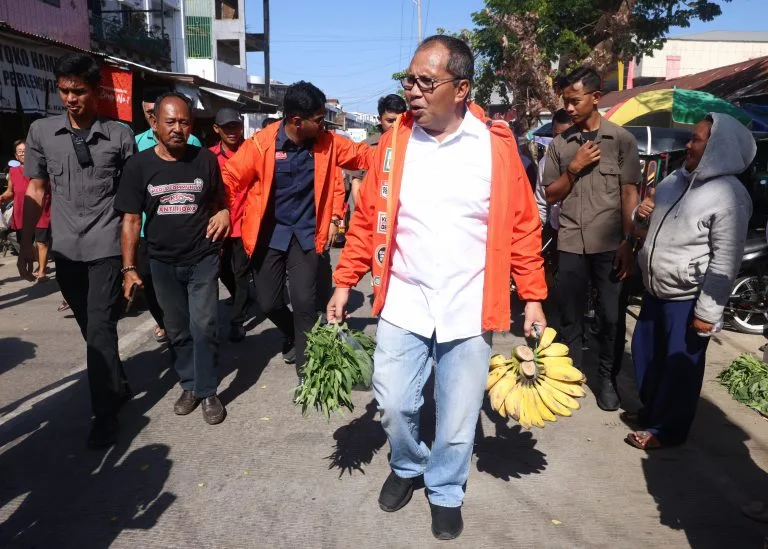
[
  {"x": 724, "y": 36},
  {"x": 732, "y": 82}
]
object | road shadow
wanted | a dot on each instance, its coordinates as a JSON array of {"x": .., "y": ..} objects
[
  {"x": 33, "y": 291},
  {"x": 54, "y": 492},
  {"x": 510, "y": 452},
  {"x": 357, "y": 442},
  {"x": 699, "y": 487},
  {"x": 248, "y": 359},
  {"x": 356, "y": 300},
  {"x": 15, "y": 351}
]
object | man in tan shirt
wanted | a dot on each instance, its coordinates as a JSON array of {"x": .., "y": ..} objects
[{"x": 593, "y": 168}]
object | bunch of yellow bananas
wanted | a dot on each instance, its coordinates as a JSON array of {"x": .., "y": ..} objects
[{"x": 535, "y": 385}]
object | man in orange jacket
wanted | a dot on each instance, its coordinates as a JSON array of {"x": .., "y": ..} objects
[
  {"x": 292, "y": 207},
  {"x": 446, "y": 213}
]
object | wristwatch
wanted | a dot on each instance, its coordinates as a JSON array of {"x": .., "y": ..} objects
[
  {"x": 630, "y": 238},
  {"x": 336, "y": 221}
]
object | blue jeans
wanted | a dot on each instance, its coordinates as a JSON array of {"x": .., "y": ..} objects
[
  {"x": 402, "y": 364},
  {"x": 669, "y": 360},
  {"x": 189, "y": 295}
]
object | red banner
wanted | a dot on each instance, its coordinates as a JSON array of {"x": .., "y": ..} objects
[{"x": 115, "y": 93}]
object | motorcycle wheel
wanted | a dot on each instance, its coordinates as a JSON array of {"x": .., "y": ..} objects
[{"x": 749, "y": 300}]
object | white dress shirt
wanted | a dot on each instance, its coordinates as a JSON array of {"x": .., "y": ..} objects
[{"x": 438, "y": 264}]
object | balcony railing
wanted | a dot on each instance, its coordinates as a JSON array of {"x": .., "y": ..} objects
[{"x": 130, "y": 32}]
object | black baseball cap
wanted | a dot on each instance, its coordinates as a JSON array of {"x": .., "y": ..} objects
[{"x": 227, "y": 116}]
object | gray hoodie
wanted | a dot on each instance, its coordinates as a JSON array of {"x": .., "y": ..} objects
[{"x": 699, "y": 224}]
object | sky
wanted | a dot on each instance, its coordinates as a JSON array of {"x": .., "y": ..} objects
[{"x": 351, "y": 48}]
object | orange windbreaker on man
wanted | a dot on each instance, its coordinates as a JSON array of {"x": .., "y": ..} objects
[
  {"x": 253, "y": 168},
  {"x": 514, "y": 227}
]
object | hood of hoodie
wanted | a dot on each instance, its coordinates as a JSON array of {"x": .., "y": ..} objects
[{"x": 730, "y": 149}]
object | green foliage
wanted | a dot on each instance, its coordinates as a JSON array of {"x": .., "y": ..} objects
[
  {"x": 338, "y": 359},
  {"x": 569, "y": 32},
  {"x": 747, "y": 381}
]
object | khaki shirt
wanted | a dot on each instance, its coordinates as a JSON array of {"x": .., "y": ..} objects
[{"x": 590, "y": 216}]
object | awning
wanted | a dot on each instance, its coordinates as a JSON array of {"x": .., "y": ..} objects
[{"x": 244, "y": 103}]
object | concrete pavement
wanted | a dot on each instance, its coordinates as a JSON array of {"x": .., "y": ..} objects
[{"x": 268, "y": 477}]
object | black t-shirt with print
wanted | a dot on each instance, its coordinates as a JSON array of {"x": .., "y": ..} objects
[{"x": 178, "y": 199}]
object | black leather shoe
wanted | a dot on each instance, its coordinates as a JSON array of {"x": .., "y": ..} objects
[
  {"x": 446, "y": 521},
  {"x": 396, "y": 493},
  {"x": 607, "y": 397},
  {"x": 104, "y": 431},
  {"x": 213, "y": 410},
  {"x": 289, "y": 352},
  {"x": 236, "y": 333},
  {"x": 186, "y": 404}
]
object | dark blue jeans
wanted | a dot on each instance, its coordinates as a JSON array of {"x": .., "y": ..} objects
[
  {"x": 669, "y": 367},
  {"x": 189, "y": 295}
]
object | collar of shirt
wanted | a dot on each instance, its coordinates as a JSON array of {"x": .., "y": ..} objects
[
  {"x": 605, "y": 130},
  {"x": 470, "y": 126},
  {"x": 285, "y": 143},
  {"x": 96, "y": 128},
  {"x": 219, "y": 150}
]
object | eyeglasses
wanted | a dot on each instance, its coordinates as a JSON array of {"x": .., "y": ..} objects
[{"x": 426, "y": 85}]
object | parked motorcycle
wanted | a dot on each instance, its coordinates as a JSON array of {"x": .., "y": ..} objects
[{"x": 747, "y": 308}]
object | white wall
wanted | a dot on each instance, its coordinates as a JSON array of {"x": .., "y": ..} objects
[
  {"x": 230, "y": 75},
  {"x": 204, "y": 68},
  {"x": 699, "y": 56},
  {"x": 232, "y": 29}
]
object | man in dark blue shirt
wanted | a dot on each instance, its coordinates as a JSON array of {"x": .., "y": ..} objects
[{"x": 293, "y": 208}]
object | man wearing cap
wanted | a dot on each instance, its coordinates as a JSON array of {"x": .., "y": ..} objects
[{"x": 235, "y": 264}]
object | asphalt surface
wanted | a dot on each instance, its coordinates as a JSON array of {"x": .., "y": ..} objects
[{"x": 268, "y": 477}]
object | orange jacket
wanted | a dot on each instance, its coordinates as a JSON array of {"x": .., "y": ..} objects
[
  {"x": 253, "y": 168},
  {"x": 514, "y": 227}
]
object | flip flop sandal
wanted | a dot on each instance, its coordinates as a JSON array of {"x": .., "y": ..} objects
[
  {"x": 647, "y": 442},
  {"x": 63, "y": 307}
]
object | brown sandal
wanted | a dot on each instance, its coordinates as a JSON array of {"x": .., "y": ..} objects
[{"x": 643, "y": 440}]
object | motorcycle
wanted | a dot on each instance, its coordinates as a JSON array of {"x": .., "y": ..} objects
[{"x": 747, "y": 307}]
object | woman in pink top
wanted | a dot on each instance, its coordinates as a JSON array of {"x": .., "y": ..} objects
[{"x": 17, "y": 189}]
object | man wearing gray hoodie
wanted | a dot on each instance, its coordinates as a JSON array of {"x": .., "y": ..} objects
[{"x": 696, "y": 222}]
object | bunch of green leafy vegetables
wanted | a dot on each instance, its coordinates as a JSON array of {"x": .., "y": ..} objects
[
  {"x": 747, "y": 381},
  {"x": 337, "y": 359}
]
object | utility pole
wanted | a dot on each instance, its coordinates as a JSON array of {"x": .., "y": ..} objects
[
  {"x": 267, "y": 81},
  {"x": 418, "y": 17}
]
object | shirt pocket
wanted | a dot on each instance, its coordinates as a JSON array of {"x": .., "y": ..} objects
[
  {"x": 609, "y": 175},
  {"x": 104, "y": 185},
  {"x": 59, "y": 186}
]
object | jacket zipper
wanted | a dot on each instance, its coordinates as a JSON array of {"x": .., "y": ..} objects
[{"x": 655, "y": 238}]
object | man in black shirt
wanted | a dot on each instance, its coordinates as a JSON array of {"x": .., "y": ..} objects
[{"x": 178, "y": 186}]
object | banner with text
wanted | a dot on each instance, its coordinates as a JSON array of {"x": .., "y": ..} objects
[
  {"x": 26, "y": 77},
  {"x": 116, "y": 93}
]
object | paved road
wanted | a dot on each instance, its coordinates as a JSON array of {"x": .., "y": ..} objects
[{"x": 268, "y": 477}]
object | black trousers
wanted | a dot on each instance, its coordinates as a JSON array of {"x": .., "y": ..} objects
[
  {"x": 149, "y": 287},
  {"x": 573, "y": 274},
  {"x": 93, "y": 291},
  {"x": 234, "y": 273},
  {"x": 324, "y": 281},
  {"x": 300, "y": 267}
]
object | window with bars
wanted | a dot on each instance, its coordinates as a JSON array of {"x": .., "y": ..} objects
[{"x": 197, "y": 27}]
